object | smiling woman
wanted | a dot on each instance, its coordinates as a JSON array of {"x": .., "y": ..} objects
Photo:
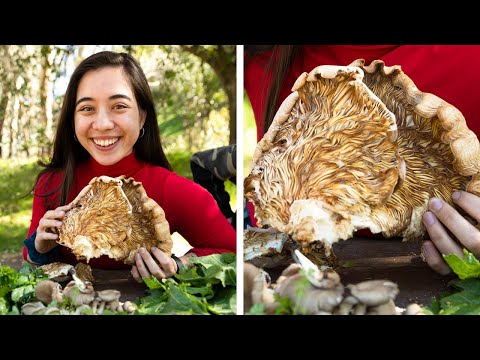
[
  {"x": 107, "y": 117},
  {"x": 108, "y": 127}
]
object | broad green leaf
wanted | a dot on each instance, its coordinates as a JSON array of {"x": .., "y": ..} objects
[
  {"x": 179, "y": 302},
  {"x": 257, "y": 309},
  {"x": 23, "y": 293},
  {"x": 468, "y": 267},
  {"x": 224, "y": 302},
  {"x": 3, "y": 306}
]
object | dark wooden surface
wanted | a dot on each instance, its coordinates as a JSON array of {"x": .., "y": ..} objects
[
  {"x": 120, "y": 280},
  {"x": 363, "y": 259},
  {"x": 394, "y": 260}
]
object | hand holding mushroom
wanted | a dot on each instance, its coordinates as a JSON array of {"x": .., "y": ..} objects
[
  {"x": 46, "y": 240},
  {"x": 442, "y": 217},
  {"x": 156, "y": 263}
]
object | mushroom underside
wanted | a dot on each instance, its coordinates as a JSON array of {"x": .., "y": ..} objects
[
  {"x": 114, "y": 217},
  {"x": 359, "y": 147}
]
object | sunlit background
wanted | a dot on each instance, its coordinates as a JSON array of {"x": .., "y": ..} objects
[{"x": 194, "y": 92}]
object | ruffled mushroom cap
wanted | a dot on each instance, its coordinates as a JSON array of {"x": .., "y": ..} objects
[
  {"x": 57, "y": 271},
  {"x": 114, "y": 217},
  {"x": 265, "y": 249},
  {"x": 359, "y": 147}
]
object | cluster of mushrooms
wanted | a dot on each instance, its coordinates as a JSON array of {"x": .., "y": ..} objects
[
  {"x": 321, "y": 293},
  {"x": 79, "y": 294}
]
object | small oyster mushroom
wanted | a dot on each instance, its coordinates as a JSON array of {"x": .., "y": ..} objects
[
  {"x": 414, "y": 309},
  {"x": 265, "y": 249},
  {"x": 255, "y": 290},
  {"x": 78, "y": 296},
  {"x": 33, "y": 308},
  {"x": 108, "y": 295},
  {"x": 387, "y": 308},
  {"x": 110, "y": 298},
  {"x": 374, "y": 292},
  {"x": 52, "y": 311},
  {"x": 94, "y": 304},
  {"x": 309, "y": 300},
  {"x": 113, "y": 305},
  {"x": 84, "y": 272},
  {"x": 326, "y": 279},
  {"x": 129, "y": 307},
  {"x": 346, "y": 305},
  {"x": 47, "y": 291},
  {"x": 57, "y": 271},
  {"x": 101, "y": 307}
]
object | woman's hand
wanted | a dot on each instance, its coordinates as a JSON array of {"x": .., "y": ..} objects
[
  {"x": 442, "y": 217},
  {"x": 157, "y": 264},
  {"x": 45, "y": 239}
]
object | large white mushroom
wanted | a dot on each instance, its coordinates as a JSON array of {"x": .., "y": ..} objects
[
  {"x": 114, "y": 217},
  {"x": 359, "y": 147}
]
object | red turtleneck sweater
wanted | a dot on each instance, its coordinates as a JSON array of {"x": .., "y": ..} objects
[{"x": 189, "y": 208}]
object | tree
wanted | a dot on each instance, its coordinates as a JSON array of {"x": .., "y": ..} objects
[{"x": 222, "y": 59}]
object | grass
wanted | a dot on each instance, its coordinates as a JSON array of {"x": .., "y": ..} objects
[{"x": 16, "y": 180}]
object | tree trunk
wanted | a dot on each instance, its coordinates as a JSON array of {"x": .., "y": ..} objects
[
  {"x": 3, "y": 111},
  {"x": 14, "y": 129},
  {"x": 46, "y": 98},
  {"x": 232, "y": 109}
]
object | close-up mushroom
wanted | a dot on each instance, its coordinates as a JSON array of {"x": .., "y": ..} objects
[
  {"x": 47, "y": 291},
  {"x": 57, "y": 271},
  {"x": 114, "y": 217},
  {"x": 359, "y": 147}
]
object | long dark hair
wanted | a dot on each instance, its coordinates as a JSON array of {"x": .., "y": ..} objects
[
  {"x": 281, "y": 60},
  {"x": 67, "y": 153}
]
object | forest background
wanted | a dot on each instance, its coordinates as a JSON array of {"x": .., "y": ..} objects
[{"x": 194, "y": 91}]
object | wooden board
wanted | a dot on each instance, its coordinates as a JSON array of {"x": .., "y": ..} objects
[
  {"x": 369, "y": 258},
  {"x": 120, "y": 280}
]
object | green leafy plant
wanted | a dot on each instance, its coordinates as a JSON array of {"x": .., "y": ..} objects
[
  {"x": 18, "y": 288},
  {"x": 466, "y": 297},
  {"x": 208, "y": 287}
]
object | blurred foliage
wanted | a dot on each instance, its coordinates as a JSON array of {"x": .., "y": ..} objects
[
  {"x": 249, "y": 135},
  {"x": 190, "y": 85},
  {"x": 16, "y": 180}
]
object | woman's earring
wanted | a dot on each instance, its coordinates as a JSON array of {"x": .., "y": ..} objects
[{"x": 142, "y": 132}]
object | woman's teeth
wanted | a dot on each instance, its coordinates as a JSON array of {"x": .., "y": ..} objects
[{"x": 105, "y": 142}]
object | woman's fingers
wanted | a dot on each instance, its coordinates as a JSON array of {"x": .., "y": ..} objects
[
  {"x": 64, "y": 208},
  {"x": 434, "y": 258},
  {"x": 44, "y": 223},
  {"x": 465, "y": 232},
  {"x": 46, "y": 236},
  {"x": 439, "y": 236},
  {"x": 136, "y": 274},
  {"x": 147, "y": 266},
  {"x": 468, "y": 202},
  {"x": 166, "y": 262}
]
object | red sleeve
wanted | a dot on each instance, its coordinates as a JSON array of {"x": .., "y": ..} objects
[{"x": 193, "y": 212}]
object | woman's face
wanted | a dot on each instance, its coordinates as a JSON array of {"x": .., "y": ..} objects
[{"x": 107, "y": 117}]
